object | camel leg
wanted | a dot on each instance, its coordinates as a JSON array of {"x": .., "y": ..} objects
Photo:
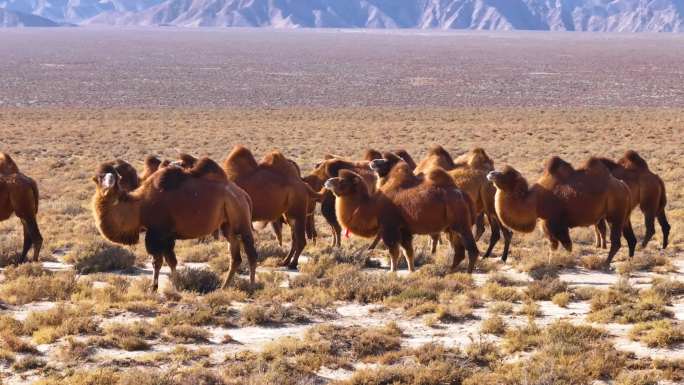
[
  {"x": 277, "y": 227},
  {"x": 496, "y": 235},
  {"x": 615, "y": 235},
  {"x": 298, "y": 241},
  {"x": 628, "y": 233},
  {"x": 311, "y": 233},
  {"x": 235, "y": 257},
  {"x": 32, "y": 237},
  {"x": 170, "y": 258},
  {"x": 459, "y": 250},
  {"x": 508, "y": 236},
  {"x": 374, "y": 244},
  {"x": 394, "y": 253},
  {"x": 435, "y": 242},
  {"x": 248, "y": 244},
  {"x": 407, "y": 245},
  {"x": 157, "y": 264},
  {"x": 480, "y": 227},
  {"x": 286, "y": 261},
  {"x": 650, "y": 228},
  {"x": 328, "y": 212},
  {"x": 600, "y": 232},
  {"x": 664, "y": 226},
  {"x": 468, "y": 241},
  {"x": 27, "y": 243}
]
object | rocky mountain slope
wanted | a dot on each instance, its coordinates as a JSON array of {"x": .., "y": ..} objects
[
  {"x": 19, "y": 19},
  {"x": 555, "y": 15}
]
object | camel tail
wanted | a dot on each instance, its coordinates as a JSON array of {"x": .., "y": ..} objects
[
  {"x": 663, "y": 195},
  {"x": 36, "y": 195}
]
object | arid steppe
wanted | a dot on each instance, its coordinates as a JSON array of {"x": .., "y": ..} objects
[{"x": 539, "y": 318}]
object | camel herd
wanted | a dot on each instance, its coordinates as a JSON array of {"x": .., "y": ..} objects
[{"x": 383, "y": 196}]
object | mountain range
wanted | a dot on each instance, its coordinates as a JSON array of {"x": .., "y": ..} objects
[{"x": 554, "y": 15}]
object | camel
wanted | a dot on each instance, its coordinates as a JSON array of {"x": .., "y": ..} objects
[
  {"x": 564, "y": 198},
  {"x": 7, "y": 165},
  {"x": 469, "y": 172},
  {"x": 647, "y": 191},
  {"x": 423, "y": 204},
  {"x": 276, "y": 190},
  {"x": 175, "y": 204},
  {"x": 151, "y": 165},
  {"x": 19, "y": 196}
]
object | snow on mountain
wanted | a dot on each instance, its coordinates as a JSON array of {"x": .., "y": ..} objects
[
  {"x": 558, "y": 15},
  {"x": 20, "y": 19}
]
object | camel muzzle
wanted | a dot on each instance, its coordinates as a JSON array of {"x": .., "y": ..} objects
[
  {"x": 491, "y": 176},
  {"x": 376, "y": 164}
]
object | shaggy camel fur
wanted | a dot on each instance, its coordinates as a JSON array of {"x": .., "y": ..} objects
[
  {"x": 276, "y": 189},
  {"x": 151, "y": 165},
  {"x": 129, "y": 176},
  {"x": 7, "y": 165},
  {"x": 647, "y": 191},
  {"x": 19, "y": 196},
  {"x": 564, "y": 198},
  {"x": 470, "y": 175},
  {"x": 426, "y": 204},
  {"x": 330, "y": 168},
  {"x": 372, "y": 154},
  {"x": 175, "y": 204}
]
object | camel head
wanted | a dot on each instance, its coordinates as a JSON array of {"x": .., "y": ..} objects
[
  {"x": 152, "y": 163},
  {"x": 185, "y": 161},
  {"x": 508, "y": 180},
  {"x": 480, "y": 160},
  {"x": 372, "y": 154},
  {"x": 384, "y": 165},
  {"x": 108, "y": 182},
  {"x": 348, "y": 183}
]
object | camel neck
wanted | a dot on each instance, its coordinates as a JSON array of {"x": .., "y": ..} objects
[{"x": 118, "y": 219}]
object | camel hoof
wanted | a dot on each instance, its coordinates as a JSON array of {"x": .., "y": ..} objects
[{"x": 292, "y": 267}]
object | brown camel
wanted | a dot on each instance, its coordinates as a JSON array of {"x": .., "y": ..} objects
[
  {"x": 175, "y": 204},
  {"x": 470, "y": 175},
  {"x": 425, "y": 204},
  {"x": 564, "y": 198},
  {"x": 19, "y": 196},
  {"x": 151, "y": 165},
  {"x": 647, "y": 191},
  {"x": 7, "y": 164},
  {"x": 277, "y": 190},
  {"x": 372, "y": 154}
]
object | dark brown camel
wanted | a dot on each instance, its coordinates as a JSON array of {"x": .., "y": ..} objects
[
  {"x": 470, "y": 175},
  {"x": 564, "y": 198},
  {"x": 425, "y": 204},
  {"x": 277, "y": 190},
  {"x": 19, "y": 196},
  {"x": 7, "y": 164},
  {"x": 647, "y": 191},
  {"x": 175, "y": 204}
]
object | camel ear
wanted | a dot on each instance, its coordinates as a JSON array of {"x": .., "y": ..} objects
[
  {"x": 96, "y": 179},
  {"x": 332, "y": 168}
]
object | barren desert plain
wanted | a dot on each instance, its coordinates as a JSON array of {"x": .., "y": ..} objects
[{"x": 72, "y": 98}]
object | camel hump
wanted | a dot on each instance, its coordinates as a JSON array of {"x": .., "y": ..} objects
[
  {"x": 595, "y": 167},
  {"x": 152, "y": 162},
  {"x": 7, "y": 164},
  {"x": 609, "y": 163},
  {"x": 277, "y": 162},
  {"x": 169, "y": 178},
  {"x": 632, "y": 160},
  {"x": 187, "y": 160},
  {"x": 403, "y": 154},
  {"x": 479, "y": 159},
  {"x": 558, "y": 168},
  {"x": 372, "y": 154},
  {"x": 240, "y": 162},
  {"x": 207, "y": 167},
  {"x": 334, "y": 166},
  {"x": 440, "y": 177}
]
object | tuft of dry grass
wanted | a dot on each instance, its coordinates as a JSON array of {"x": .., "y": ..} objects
[
  {"x": 545, "y": 288},
  {"x": 561, "y": 299},
  {"x": 73, "y": 351},
  {"x": 624, "y": 304},
  {"x": 493, "y": 325},
  {"x": 46, "y": 287},
  {"x": 98, "y": 256},
  {"x": 196, "y": 280},
  {"x": 539, "y": 266},
  {"x": 49, "y": 325},
  {"x": 186, "y": 334},
  {"x": 660, "y": 333}
]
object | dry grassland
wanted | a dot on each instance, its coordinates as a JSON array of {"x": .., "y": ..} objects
[{"x": 341, "y": 318}]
